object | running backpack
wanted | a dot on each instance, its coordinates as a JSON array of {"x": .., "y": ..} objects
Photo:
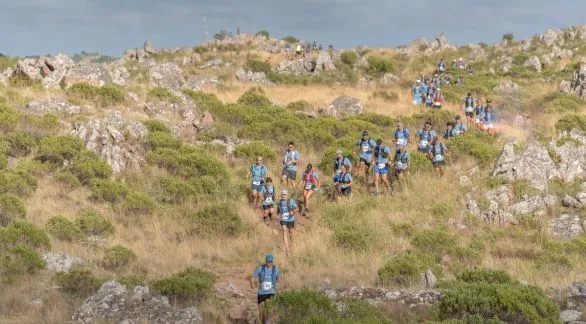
[
  {"x": 261, "y": 277},
  {"x": 268, "y": 193},
  {"x": 379, "y": 151},
  {"x": 308, "y": 176},
  {"x": 405, "y": 133},
  {"x": 290, "y": 209},
  {"x": 441, "y": 150},
  {"x": 469, "y": 101}
]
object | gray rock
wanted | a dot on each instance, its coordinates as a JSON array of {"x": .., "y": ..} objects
[
  {"x": 148, "y": 47},
  {"x": 197, "y": 82},
  {"x": 561, "y": 54},
  {"x": 344, "y": 105},
  {"x": 49, "y": 69},
  {"x": 552, "y": 36},
  {"x": 550, "y": 201},
  {"x": 507, "y": 86},
  {"x": 568, "y": 201},
  {"x": 565, "y": 227},
  {"x": 55, "y": 106},
  {"x": 465, "y": 181},
  {"x": 92, "y": 73},
  {"x": 528, "y": 206},
  {"x": 533, "y": 63},
  {"x": 6, "y": 75},
  {"x": 252, "y": 77},
  {"x": 388, "y": 79},
  {"x": 60, "y": 261},
  {"x": 429, "y": 279},
  {"x": 216, "y": 63},
  {"x": 569, "y": 316},
  {"x": 581, "y": 197},
  {"x": 503, "y": 195},
  {"x": 115, "y": 303},
  {"x": 577, "y": 85},
  {"x": 167, "y": 75},
  {"x": 473, "y": 208}
]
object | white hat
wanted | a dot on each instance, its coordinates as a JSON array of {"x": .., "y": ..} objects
[{"x": 284, "y": 192}]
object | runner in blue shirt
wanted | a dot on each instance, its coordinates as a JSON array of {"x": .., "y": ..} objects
[
  {"x": 381, "y": 165},
  {"x": 426, "y": 135},
  {"x": 287, "y": 209},
  {"x": 459, "y": 127},
  {"x": 267, "y": 276},
  {"x": 258, "y": 172},
  {"x": 267, "y": 192},
  {"x": 437, "y": 154},
  {"x": 401, "y": 136},
  {"x": 366, "y": 146},
  {"x": 290, "y": 161}
]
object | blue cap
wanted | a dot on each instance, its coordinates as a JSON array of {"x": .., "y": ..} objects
[{"x": 270, "y": 258}]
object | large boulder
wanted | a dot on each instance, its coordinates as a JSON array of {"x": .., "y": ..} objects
[
  {"x": 60, "y": 261},
  {"x": 197, "y": 82},
  {"x": 148, "y": 47},
  {"x": 571, "y": 154},
  {"x": 558, "y": 53},
  {"x": 577, "y": 85},
  {"x": 5, "y": 76},
  {"x": 49, "y": 69},
  {"x": 117, "y": 140},
  {"x": 507, "y": 87},
  {"x": 529, "y": 206},
  {"x": 565, "y": 227},
  {"x": 552, "y": 36},
  {"x": 167, "y": 75},
  {"x": 114, "y": 303},
  {"x": 55, "y": 106},
  {"x": 343, "y": 106},
  {"x": 252, "y": 77},
  {"x": 533, "y": 63}
]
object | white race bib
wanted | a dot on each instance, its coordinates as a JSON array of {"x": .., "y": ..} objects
[
  {"x": 267, "y": 285},
  {"x": 477, "y": 120},
  {"x": 424, "y": 143},
  {"x": 401, "y": 141},
  {"x": 469, "y": 109},
  {"x": 338, "y": 171},
  {"x": 269, "y": 200},
  {"x": 308, "y": 186},
  {"x": 438, "y": 158},
  {"x": 365, "y": 148},
  {"x": 399, "y": 165},
  {"x": 382, "y": 166},
  {"x": 256, "y": 183},
  {"x": 286, "y": 216}
]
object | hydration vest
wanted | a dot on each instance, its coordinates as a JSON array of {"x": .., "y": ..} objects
[
  {"x": 379, "y": 151},
  {"x": 469, "y": 102},
  {"x": 261, "y": 276},
  {"x": 308, "y": 177}
]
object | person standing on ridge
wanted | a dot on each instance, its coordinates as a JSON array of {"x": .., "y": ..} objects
[
  {"x": 366, "y": 146},
  {"x": 258, "y": 172},
  {"x": 267, "y": 275},
  {"x": 290, "y": 161},
  {"x": 287, "y": 208}
]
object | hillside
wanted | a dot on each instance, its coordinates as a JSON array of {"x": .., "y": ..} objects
[{"x": 132, "y": 172}]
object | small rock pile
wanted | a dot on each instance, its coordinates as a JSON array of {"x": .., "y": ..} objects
[{"x": 60, "y": 261}]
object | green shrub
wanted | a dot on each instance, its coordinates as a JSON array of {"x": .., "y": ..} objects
[
  {"x": 19, "y": 183},
  {"x": 154, "y": 125},
  {"x": 508, "y": 37},
  {"x": 204, "y": 101},
  {"x": 83, "y": 90},
  {"x": 159, "y": 140},
  {"x": 57, "y": 149},
  {"x": 407, "y": 269},
  {"x": 299, "y": 105},
  {"x": 175, "y": 191},
  {"x": 192, "y": 283},
  {"x": 3, "y": 162},
  {"x": 8, "y": 118},
  {"x": 24, "y": 234},
  {"x": 138, "y": 203},
  {"x": 263, "y": 33},
  {"x": 498, "y": 298},
  {"x": 17, "y": 260},
  {"x": 357, "y": 237},
  {"x": 218, "y": 219},
  {"x": 68, "y": 180},
  {"x": 253, "y": 98},
  {"x": 420, "y": 162},
  {"x": 11, "y": 208},
  {"x": 189, "y": 163},
  {"x": 20, "y": 144},
  {"x": 117, "y": 257},
  {"x": 479, "y": 145},
  {"x": 33, "y": 167},
  {"x": 163, "y": 94},
  {"x": 349, "y": 58},
  {"x": 106, "y": 95},
  {"x": 290, "y": 39},
  {"x": 258, "y": 66},
  {"x": 88, "y": 166},
  {"x": 133, "y": 281},
  {"x": 436, "y": 241},
  {"x": 253, "y": 149},
  {"x": 91, "y": 222},
  {"x": 108, "y": 191},
  {"x": 485, "y": 275},
  {"x": 63, "y": 229},
  {"x": 560, "y": 103},
  {"x": 78, "y": 282},
  {"x": 569, "y": 122},
  {"x": 377, "y": 66},
  {"x": 21, "y": 80}
]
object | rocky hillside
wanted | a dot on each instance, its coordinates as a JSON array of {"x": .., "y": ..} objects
[{"x": 124, "y": 184}]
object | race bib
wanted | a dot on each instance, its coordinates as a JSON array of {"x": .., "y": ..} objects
[
  {"x": 438, "y": 158},
  {"x": 338, "y": 171},
  {"x": 365, "y": 148},
  {"x": 469, "y": 109},
  {"x": 267, "y": 285},
  {"x": 308, "y": 186},
  {"x": 401, "y": 141},
  {"x": 256, "y": 183},
  {"x": 437, "y": 104},
  {"x": 286, "y": 216},
  {"x": 382, "y": 166},
  {"x": 269, "y": 200},
  {"x": 424, "y": 143},
  {"x": 399, "y": 165}
]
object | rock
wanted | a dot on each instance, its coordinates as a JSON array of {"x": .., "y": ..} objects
[
  {"x": 528, "y": 206},
  {"x": 118, "y": 73},
  {"x": 581, "y": 197},
  {"x": 550, "y": 201},
  {"x": 565, "y": 86},
  {"x": 115, "y": 139},
  {"x": 161, "y": 110},
  {"x": 507, "y": 86},
  {"x": 533, "y": 63},
  {"x": 252, "y": 77},
  {"x": 440, "y": 43},
  {"x": 552, "y": 36},
  {"x": 429, "y": 279},
  {"x": 415, "y": 46},
  {"x": 167, "y": 75},
  {"x": 54, "y": 106},
  {"x": 115, "y": 303},
  {"x": 388, "y": 79},
  {"x": 571, "y": 160},
  {"x": 60, "y": 261},
  {"x": 148, "y": 47},
  {"x": 92, "y": 73},
  {"x": 465, "y": 181},
  {"x": 506, "y": 65},
  {"x": 503, "y": 195},
  {"x": 49, "y": 69},
  {"x": 577, "y": 85},
  {"x": 345, "y": 105},
  {"x": 324, "y": 62},
  {"x": 6, "y": 75},
  {"x": 473, "y": 208},
  {"x": 213, "y": 64},
  {"x": 569, "y": 316},
  {"x": 570, "y": 202},
  {"x": 197, "y": 82},
  {"x": 565, "y": 227},
  {"x": 545, "y": 60},
  {"x": 561, "y": 54}
]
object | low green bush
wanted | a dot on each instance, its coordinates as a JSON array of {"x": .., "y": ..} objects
[
  {"x": 78, "y": 282},
  {"x": 357, "y": 236},
  {"x": 176, "y": 191},
  {"x": 21, "y": 80},
  {"x": 8, "y": 118},
  {"x": 154, "y": 125},
  {"x": 299, "y": 105},
  {"x": 569, "y": 122},
  {"x": 253, "y": 149},
  {"x": 118, "y": 257},
  {"x": 262, "y": 33},
  {"x": 204, "y": 101},
  {"x": 11, "y": 208},
  {"x": 258, "y": 66},
  {"x": 215, "y": 220},
  {"x": 559, "y": 103},
  {"x": 158, "y": 140},
  {"x": 106, "y": 95},
  {"x": 189, "y": 163},
  {"x": 57, "y": 149},
  {"x": 91, "y": 222},
  {"x": 19, "y": 183},
  {"x": 290, "y": 39},
  {"x": 479, "y": 145},
  {"x": 163, "y": 94},
  {"x": 87, "y": 166},
  {"x": 138, "y": 203},
  {"x": 407, "y": 269},
  {"x": 254, "y": 98},
  {"x": 377, "y": 66},
  {"x": 484, "y": 275},
  {"x": 17, "y": 260},
  {"x": 190, "y": 284},
  {"x": 349, "y": 58},
  {"x": 33, "y": 167},
  {"x": 24, "y": 234},
  {"x": 20, "y": 144},
  {"x": 108, "y": 191},
  {"x": 68, "y": 180},
  {"x": 420, "y": 162},
  {"x": 63, "y": 229},
  {"x": 437, "y": 241}
]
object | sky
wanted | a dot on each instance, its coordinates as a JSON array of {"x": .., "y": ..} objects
[{"x": 34, "y": 27}]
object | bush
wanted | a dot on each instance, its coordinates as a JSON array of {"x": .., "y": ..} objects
[
  {"x": 290, "y": 39},
  {"x": 377, "y": 66},
  {"x": 11, "y": 208},
  {"x": 107, "y": 95},
  {"x": 154, "y": 125},
  {"x": 204, "y": 101},
  {"x": 88, "y": 166},
  {"x": 78, "y": 282},
  {"x": 258, "y": 66},
  {"x": 20, "y": 144},
  {"x": 117, "y": 257},
  {"x": 349, "y": 58},
  {"x": 133, "y": 281},
  {"x": 420, "y": 162},
  {"x": 407, "y": 269},
  {"x": 175, "y": 191},
  {"x": 299, "y": 105},
  {"x": 163, "y": 94},
  {"x": 189, "y": 163},
  {"x": 111, "y": 94},
  {"x": 24, "y": 234},
  {"x": 62, "y": 229},
  {"x": 192, "y": 283},
  {"x": 19, "y": 183},
  {"x": 479, "y": 145},
  {"x": 495, "y": 296},
  {"x": 218, "y": 219},
  {"x": 19, "y": 260},
  {"x": 357, "y": 237},
  {"x": 8, "y": 118},
  {"x": 138, "y": 203},
  {"x": 560, "y": 103},
  {"x": 254, "y": 98},
  {"x": 57, "y": 149},
  {"x": 108, "y": 191},
  {"x": 263, "y": 33},
  {"x": 33, "y": 167},
  {"x": 569, "y": 122},
  {"x": 508, "y": 37},
  {"x": 18, "y": 244},
  {"x": 68, "y": 180},
  {"x": 21, "y": 80},
  {"x": 436, "y": 242},
  {"x": 91, "y": 222},
  {"x": 159, "y": 140},
  {"x": 485, "y": 275},
  {"x": 253, "y": 149}
]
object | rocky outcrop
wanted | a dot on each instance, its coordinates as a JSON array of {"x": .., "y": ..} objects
[
  {"x": 552, "y": 36},
  {"x": 5, "y": 76},
  {"x": 115, "y": 303},
  {"x": 54, "y": 106},
  {"x": 565, "y": 227},
  {"x": 507, "y": 87},
  {"x": 197, "y": 82},
  {"x": 95, "y": 74},
  {"x": 499, "y": 200},
  {"x": 117, "y": 140},
  {"x": 49, "y": 69},
  {"x": 380, "y": 296},
  {"x": 533, "y": 63},
  {"x": 239, "y": 307},
  {"x": 323, "y": 62},
  {"x": 252, "y": 77},
  {"x": 343, "y": 106},
  {"x": 60, "y": 261},
  {"x": 167, "y": 75},
  {"x": 577, "y": 85},
  {"x": 529, "y": 206}
]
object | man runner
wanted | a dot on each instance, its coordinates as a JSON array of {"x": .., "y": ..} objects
[
  {"x": 345, "y": 184},
  {"x": 381, "y": 166},
  {"x": 258, "y": 172},
  {"x": 437, "y": 155},
  {"x": 267, "y": 275},
  {"x": 290, "y": 160},
  {"x": 402, "y": 162},
  {"x": 366, "y": 146},
  {"x": 426, "y": 135},
  {"x": 401, "y": 136},
  {"x": 267, "y": 193},
  {"x": 311, "y": 184},
  {"x": 287, "y": 209}
]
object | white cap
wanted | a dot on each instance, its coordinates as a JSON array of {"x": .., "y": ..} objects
[{"x": 284, "y": 192}]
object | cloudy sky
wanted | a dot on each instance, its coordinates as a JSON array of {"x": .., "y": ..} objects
[{"x": 111, "y": 26}]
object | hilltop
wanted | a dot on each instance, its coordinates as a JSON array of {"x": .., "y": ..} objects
[{"x": 124, "y": 183}]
